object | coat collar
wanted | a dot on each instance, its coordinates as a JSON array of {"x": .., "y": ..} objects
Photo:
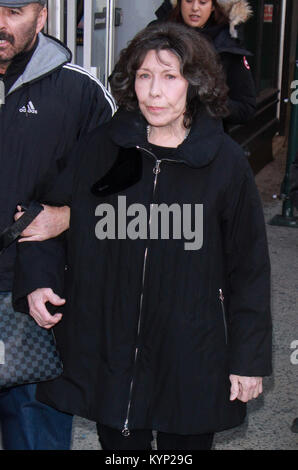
[{"x": 200, "y": 148}]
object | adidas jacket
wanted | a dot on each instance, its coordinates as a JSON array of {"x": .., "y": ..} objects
[{"x": 50, "y": 106}]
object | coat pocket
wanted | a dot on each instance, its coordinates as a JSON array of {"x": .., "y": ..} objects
[{"x": 221, "y": 298}]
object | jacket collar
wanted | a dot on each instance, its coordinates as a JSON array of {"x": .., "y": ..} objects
[
  {"x": 48, "y": 56},
  {"x": 17, "y": 67},
  {"x": 200, "y": 148}
]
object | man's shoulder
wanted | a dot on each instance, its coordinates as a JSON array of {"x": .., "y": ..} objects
[
  {"x": 78, "y": 73},
  {"x": 76, "y": 76},
  {"x": 81, "y": 78}
]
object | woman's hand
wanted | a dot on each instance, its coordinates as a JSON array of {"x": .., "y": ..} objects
[
  {"x": 37, "y": 307},
  {"x": 50, "y": 223},
  {"x": 245, "y": 388}
]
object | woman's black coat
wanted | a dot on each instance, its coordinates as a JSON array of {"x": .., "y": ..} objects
[{"x": 145, "y": 340}]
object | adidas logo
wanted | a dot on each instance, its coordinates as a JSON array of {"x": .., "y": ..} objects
[{"x": 30, "y": 109}]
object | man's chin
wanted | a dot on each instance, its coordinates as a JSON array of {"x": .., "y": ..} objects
[
  {"x": 5, "y": 58},
  {"x": 4, "y": 63}
]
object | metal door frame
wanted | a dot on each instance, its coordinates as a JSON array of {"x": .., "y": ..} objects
[{"x": 62, "y": 24}]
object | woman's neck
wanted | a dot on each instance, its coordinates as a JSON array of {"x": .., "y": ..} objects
[{"x": 166, "y": 136}]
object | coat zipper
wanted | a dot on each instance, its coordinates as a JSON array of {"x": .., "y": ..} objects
[
  {"x": 156, "y": 171},
  {"x": 221, "y": 298}
]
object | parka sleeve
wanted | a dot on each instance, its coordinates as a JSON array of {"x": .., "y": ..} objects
[
  {"x": 242, "y": 93},
  {"x": 248, "y": 278}
]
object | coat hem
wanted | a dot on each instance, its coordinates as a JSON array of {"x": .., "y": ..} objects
[{"x": 155, "y": 426}]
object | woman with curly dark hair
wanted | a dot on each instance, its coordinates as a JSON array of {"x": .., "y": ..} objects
[
  {"x": 220, "y": 21},
  {"x": 166, "y": 325},
  {"x": 198, "y": 65}
]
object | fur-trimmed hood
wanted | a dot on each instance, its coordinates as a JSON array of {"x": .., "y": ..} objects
[{"x": 238, "y": 11}]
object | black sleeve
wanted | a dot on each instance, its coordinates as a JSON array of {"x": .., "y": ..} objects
[
  {"x": 248, "y": 273},
  {"x": 97, "y": 106},
  {"x": 38, "y": 264},
  {"x": 42, "y": 264},
  {"x": 57, "y": 189},
  {"x": 242, "y": 93}
]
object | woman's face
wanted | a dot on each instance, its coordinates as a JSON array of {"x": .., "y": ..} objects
[
  {"x": 195, "y": 13},
  {"x": 161, "y": 89}
]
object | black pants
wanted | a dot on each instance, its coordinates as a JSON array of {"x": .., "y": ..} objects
[{"x": 112, "y": 439}]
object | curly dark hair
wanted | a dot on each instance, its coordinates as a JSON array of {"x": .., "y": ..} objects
[
  {"x": 199, "y": 65},
  {"x": 218, "y": 16}
]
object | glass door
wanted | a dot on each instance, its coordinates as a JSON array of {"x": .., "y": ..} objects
[
  {"x": 92, "y": 36},
  {"x": 97, "y": 30}
]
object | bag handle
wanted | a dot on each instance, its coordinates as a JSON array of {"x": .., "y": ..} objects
[{"x": 12, "y": 232}]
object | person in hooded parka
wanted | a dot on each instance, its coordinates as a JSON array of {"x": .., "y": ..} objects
[{"x": 221, "y": 22}]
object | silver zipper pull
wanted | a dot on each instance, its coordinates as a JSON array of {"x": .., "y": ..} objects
[
  {"x": 221, "y": 298},
  {"x": 156, "y": 169},
  {"x": 125, "y": 430}
]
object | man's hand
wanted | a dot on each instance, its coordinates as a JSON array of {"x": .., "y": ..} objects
[
  {"x": 37, "y": 300},
  {"x": 245, "y": 388},
  {"x": 50, "y": 223}
]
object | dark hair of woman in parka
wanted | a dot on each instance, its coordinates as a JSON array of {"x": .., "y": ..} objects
[{"x": 199, "y": 65}]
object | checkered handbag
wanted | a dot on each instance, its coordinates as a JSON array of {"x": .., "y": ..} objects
[{"x": 28, "y": 352}]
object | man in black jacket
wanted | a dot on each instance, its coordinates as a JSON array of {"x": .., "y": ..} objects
[{"x": 48, "y": 105}]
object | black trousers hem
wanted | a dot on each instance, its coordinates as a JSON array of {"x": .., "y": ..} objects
[{"x": 113, "y": 439}]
